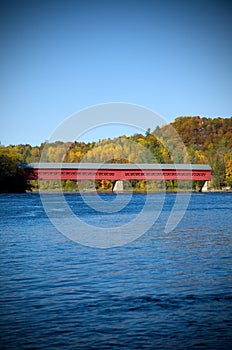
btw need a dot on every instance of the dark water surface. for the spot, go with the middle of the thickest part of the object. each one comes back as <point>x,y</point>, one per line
<point>163,291</point>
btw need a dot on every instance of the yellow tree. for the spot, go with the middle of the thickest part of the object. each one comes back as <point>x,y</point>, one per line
<point>228,164</point>
<point>106,184</point>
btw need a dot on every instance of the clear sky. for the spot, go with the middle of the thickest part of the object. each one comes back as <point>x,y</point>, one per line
<point>58,57</point>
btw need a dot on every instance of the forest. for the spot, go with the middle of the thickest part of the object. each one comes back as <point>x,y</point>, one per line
<point>193,140</point>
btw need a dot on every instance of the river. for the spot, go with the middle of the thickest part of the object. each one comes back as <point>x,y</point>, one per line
<point>161,291</point>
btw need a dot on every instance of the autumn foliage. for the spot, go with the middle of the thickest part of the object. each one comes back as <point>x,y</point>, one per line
<point>185,140</point>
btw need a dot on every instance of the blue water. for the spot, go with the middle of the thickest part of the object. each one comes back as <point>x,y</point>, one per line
<point>162,291</point>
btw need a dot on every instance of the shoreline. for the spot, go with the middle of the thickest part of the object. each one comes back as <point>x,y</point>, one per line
<point>127,192</point>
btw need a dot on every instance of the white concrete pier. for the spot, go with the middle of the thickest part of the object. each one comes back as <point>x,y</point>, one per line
<point>118,186</point>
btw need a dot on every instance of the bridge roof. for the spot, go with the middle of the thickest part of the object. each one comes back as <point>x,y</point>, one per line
<point>118,166</point>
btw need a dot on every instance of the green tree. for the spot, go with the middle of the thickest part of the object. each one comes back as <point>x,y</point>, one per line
<point>219,173</point>
<point>12,178</point>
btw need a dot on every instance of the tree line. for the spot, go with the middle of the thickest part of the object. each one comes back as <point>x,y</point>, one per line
<point>186,140</point>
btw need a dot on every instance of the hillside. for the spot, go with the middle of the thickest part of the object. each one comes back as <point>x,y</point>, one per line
<point>207,141</point>
<point>186,139</point>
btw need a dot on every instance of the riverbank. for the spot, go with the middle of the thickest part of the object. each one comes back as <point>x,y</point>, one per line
<point>91,191</point>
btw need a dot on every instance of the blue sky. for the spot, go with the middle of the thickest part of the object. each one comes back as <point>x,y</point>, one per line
<point>58,57</point>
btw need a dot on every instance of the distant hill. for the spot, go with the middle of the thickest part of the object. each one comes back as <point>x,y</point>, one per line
<point>185,140</point>
<point>204,132</point>
<point>207,141</point>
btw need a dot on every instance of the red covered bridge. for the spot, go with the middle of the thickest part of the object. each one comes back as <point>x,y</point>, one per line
<point>114,172</point>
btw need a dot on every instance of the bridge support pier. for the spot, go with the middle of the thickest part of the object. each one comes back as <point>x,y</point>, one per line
<point>204,187</point>
<point>118,186</point>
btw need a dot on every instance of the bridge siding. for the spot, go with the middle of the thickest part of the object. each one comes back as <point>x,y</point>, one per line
<point>128,172</point>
